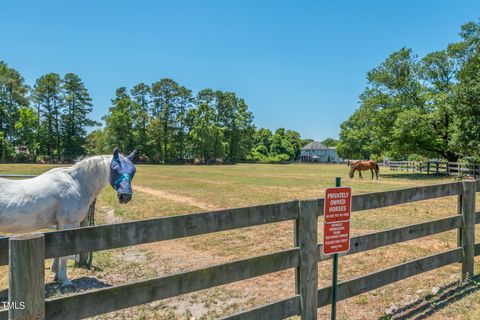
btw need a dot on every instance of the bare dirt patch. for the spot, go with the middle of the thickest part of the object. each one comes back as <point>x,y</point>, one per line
<point>177,198</point>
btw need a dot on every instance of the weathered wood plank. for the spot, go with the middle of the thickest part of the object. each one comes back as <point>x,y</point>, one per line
<point>382,199</point>
<point>477,249</point>
<point>468,228</point>
<point>120,297</point>
<point>389,198</point>
<point>351,288</point>
<point>26,283</point>
<point>4,315</point>
<point>277,310</point>
<point>103,237</point>
<point>383,238</point>
<point>3,251</point>
<point>308,268</point>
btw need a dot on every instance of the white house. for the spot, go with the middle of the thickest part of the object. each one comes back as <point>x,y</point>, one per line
<point>317,152</point>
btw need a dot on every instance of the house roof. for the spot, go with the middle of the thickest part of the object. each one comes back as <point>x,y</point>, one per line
<point>315,145</point>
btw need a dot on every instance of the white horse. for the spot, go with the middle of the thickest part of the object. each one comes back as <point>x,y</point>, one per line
<point>61,197</point>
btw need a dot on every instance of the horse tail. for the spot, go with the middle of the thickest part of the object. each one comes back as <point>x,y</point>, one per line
<point>376,167</point>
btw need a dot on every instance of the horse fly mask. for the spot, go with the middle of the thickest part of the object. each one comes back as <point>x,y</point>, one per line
<point>122,171</point>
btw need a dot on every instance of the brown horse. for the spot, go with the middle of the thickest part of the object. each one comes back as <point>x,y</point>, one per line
<point>363,165</point>
<point>350,162</point>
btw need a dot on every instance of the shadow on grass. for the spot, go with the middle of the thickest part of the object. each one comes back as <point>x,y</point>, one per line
<point>430,304</point>
<point>412,176</point>
<point>53,289</point>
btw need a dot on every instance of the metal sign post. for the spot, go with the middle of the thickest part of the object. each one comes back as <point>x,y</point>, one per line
<point>336,231</point>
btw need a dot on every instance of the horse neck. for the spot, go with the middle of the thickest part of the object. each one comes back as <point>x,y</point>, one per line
<point>352,169</point>
<point>93,177</point>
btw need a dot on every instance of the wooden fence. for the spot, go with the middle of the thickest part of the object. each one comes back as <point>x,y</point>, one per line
<point>26,254</point>
<point>437,167</point>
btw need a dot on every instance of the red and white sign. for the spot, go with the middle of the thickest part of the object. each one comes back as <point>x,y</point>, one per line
<point>336,237</point>
<point>336,227</point>
<point>338,202</point>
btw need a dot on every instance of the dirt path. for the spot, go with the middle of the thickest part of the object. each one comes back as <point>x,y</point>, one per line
<point>177,198</point>
<point>176,178</point>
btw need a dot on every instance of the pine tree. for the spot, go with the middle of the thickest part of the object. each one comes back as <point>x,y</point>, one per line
<point>119,122</point>
<point>47,95</point>
<point>77,105</point>
<point>165,96</point>
<point>141,118</point>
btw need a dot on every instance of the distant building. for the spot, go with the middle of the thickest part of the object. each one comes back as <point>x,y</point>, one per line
<point>317,152</point>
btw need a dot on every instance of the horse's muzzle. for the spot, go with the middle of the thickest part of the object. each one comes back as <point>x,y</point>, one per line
<point>124,197</point>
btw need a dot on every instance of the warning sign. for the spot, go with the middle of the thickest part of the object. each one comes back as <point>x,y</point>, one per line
<point>336,229</point>
<point>338,202</point>
<point>336,237</point>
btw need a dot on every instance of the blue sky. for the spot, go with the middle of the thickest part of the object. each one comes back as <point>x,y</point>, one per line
<point>298,64</point>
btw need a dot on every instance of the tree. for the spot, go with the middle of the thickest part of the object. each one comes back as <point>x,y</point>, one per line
<point>405,109</point>
<point>295,140</point>
<point>206,138</point>
<point>467,106</point>
<point>281,146</point>
<point>185,101</point>
<point>261,145</point>
<point>141,118</point>
<point>234,117</point>
<point>95,143</point>
<point>46,95</point>
<point>26,133</point>
<point>119,122</point>
<point>77,105</point>
<point>330,142</point>
<point>165,94</point>
<point>13,97</point>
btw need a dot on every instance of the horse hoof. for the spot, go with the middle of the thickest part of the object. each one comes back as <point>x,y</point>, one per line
<point>66,284</point>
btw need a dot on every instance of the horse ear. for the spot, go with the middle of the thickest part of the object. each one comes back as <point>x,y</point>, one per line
<point>115,153</point>
<point>132,155</point>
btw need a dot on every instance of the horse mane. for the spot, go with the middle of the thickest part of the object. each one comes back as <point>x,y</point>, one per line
<point>94,165</point>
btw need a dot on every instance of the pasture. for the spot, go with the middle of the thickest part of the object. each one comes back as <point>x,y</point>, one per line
<point>171,190</point>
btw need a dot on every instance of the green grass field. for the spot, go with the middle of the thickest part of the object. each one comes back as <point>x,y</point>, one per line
<point>169,190</point>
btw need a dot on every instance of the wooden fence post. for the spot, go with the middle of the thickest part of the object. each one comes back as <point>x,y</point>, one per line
<point>468,228</point>
<point>26,291</point>
<point>459,211</point>
<point>308,270</point>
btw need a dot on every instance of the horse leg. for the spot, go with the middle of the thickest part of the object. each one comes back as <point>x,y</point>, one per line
<point>62,266</point>
<point>54,268</point>
<point>54,265</point>
<point>360,174</point>
<point>371,170</point>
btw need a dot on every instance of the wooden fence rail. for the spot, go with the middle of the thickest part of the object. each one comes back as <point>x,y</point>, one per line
<point>305,255</point>
<point>437,167</point>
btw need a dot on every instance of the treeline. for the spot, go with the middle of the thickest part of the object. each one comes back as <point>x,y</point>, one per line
<point>167,123</point>
<point>164,121</point>
<point>46,122</point>
<point>414,108</point>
